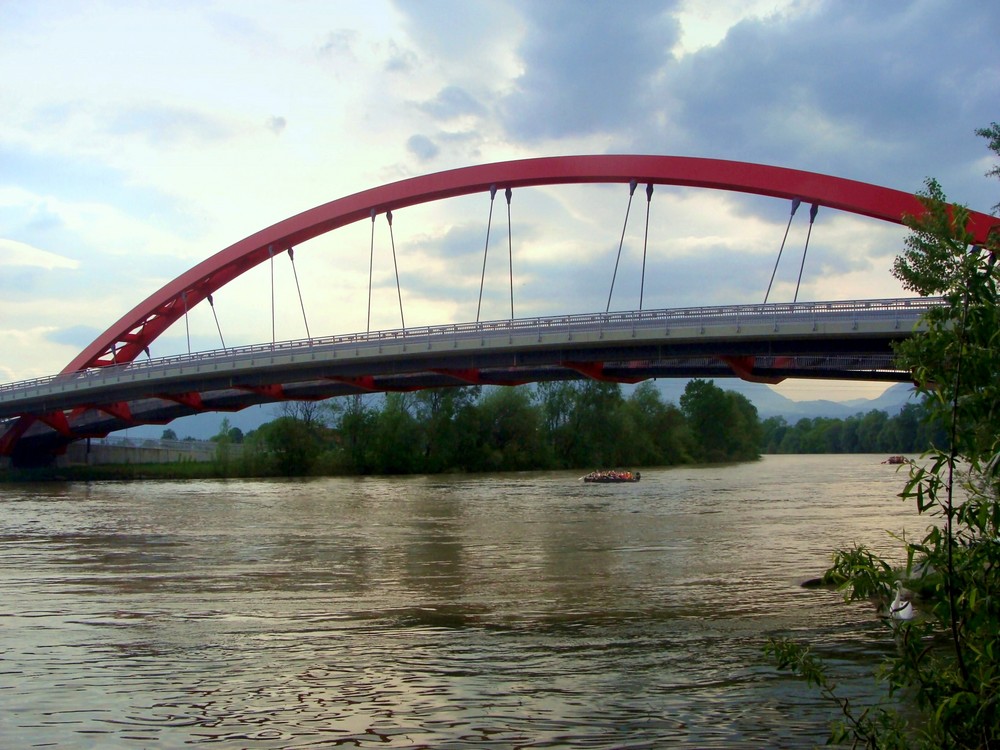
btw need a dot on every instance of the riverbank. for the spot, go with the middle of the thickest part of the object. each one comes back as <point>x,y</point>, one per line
<point>118,472</point>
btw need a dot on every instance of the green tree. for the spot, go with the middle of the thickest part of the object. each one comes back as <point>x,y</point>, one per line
<point>871,438</point>
<point>222,443</point>
<point>724,425</point>
<point>599,425</point>
<point>659,434</point>
<point>557,399</point>
<point>584,422</point>
<point>875,432</point>
<point>773,431</point>
<point>704,406</point>
<point>849,441</point>
<point>743,439</point>
<point>440,413</point>
<point>947,662</point>
<point>906,432</point>
<point>396,438</point>
<point>292,445</point>
<point>832,434</point>
<point>510,435</point>
<point>353,422</point>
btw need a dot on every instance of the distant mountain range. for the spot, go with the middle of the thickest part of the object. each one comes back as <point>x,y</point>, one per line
<point>769,403</point>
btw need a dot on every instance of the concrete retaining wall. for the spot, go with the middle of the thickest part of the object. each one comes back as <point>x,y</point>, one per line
<point>125,451</point>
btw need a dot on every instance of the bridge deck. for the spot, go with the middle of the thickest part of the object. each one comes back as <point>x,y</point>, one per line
<point>845,339</point>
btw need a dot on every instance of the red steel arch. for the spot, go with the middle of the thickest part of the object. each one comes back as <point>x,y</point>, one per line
<point>134,332</point>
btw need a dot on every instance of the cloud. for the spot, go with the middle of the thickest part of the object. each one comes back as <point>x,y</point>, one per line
<point>137,170</point>
<point>452,102</point>
<point>40,177</point>
<point>422,147</point>
<point>588,67</point>
<point>340,43</point>
<point>167,126</point>
<point>400,60</point>
<point>13,253</point>
<point>276,124</point>
<point>41,357</point>
<point>466,37</point>
<point>75,336</point>
<point>768,92</point>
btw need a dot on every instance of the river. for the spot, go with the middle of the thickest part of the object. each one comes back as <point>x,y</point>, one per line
<point>506,611</point>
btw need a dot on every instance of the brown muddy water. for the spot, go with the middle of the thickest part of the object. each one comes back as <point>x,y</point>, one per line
<point>506,611</point>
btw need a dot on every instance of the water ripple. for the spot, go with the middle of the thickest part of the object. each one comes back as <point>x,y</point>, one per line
<point>522,611</point>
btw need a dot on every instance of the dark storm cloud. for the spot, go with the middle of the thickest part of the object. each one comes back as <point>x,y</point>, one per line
<point>588,67</point>
<point>878,92</point>
<point>888,93</point>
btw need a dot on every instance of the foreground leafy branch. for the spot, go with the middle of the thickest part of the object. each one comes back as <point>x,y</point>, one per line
<point>943,678</point>
<point>871,727</point>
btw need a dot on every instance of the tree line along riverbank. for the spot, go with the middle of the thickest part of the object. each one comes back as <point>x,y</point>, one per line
<point>549,426</point>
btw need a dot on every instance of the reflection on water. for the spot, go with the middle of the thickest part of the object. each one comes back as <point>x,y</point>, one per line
<point>525,610</point>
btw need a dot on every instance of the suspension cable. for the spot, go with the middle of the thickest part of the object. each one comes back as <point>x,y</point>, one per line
<point>211,303</point>
<point>270,255</point>
<point>510,253</point>
<point>399,291</point>
<point>371,261</point>
<point>795,207</point>
<point>489,223</point>
<point>302,304</point>
<point>631,191</point>
<point>187,326</point>
<point>645,239</point>
<point>812,218</point>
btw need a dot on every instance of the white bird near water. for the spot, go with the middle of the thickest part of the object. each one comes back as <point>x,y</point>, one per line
<point>901,608</point>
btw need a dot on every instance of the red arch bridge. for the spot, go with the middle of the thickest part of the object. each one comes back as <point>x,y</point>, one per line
<point>106,388</point>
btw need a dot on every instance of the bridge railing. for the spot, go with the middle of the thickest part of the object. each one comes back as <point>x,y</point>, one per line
<point>779,313</point>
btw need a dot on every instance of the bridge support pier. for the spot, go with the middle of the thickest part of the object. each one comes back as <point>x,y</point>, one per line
<point>24,459</point>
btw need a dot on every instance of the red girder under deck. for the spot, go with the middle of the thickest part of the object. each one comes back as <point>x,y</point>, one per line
<point>595,371</point>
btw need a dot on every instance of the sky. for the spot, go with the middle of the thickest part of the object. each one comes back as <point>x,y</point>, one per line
<point>139,138</point>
